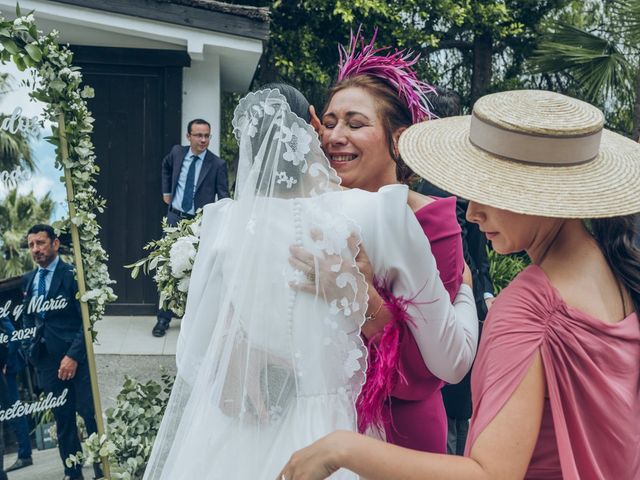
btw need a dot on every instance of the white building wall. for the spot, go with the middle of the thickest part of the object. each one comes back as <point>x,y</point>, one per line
<point>201,96</point>
<point>217,59</point>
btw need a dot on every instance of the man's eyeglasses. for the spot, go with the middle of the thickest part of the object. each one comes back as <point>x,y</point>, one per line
<point>204,136</point>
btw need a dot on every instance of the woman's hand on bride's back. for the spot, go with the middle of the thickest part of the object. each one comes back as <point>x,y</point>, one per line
<point>321,274</point>
<point>318,274</point>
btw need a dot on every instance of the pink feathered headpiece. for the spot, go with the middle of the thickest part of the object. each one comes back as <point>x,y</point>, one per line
<point>394,68</point>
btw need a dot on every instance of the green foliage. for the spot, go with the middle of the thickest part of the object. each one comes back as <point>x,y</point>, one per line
<point>132,426</point>
<point>504,268</point>
<point>303,45</point>
<point>228,145</point>
<point>18,213</point>
<point>626,18</point>
<point>302,48</point>
<point>593,53</point>
<point>15,150</point>
<point>596,64</point>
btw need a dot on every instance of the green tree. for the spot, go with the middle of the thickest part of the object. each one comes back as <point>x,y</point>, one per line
<point>470,46</point>
<point>18,213</point>
<point>15,150</point>
<point>595,57</point>
<point>481,46</point>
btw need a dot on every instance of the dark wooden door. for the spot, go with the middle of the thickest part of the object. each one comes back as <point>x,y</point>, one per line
<point>137,120</point>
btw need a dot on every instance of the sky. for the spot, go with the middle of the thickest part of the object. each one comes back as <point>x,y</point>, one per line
<point>46,178</point>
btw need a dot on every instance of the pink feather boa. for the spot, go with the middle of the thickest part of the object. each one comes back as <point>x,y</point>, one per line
<point>384,356</point>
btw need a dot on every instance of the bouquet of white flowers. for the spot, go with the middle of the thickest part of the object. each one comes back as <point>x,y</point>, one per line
<point>172,259</point>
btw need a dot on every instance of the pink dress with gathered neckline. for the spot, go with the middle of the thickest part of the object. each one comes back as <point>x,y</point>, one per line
<point>591,419</point>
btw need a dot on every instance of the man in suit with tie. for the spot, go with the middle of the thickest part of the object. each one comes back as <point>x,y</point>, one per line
<point>57,349</point>
<point>192,176</point>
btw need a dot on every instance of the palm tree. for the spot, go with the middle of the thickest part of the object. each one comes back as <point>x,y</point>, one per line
<point>601,65</point>
<point>15,150</point>
<point>18,213</point>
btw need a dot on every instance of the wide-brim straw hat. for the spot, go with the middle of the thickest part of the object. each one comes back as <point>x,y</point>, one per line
<point>532,152</point>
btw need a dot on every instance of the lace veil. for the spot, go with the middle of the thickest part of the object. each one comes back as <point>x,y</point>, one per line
<point>261,365</point>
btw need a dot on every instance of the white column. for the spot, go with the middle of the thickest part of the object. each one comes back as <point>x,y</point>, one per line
<point>201,96</point>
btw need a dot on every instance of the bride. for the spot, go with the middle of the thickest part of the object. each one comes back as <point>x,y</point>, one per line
<point>269,355</point>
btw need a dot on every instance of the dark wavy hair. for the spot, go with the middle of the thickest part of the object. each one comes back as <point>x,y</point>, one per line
<point>298,103</point>
<point>619,240</point>
<point>444,103</point>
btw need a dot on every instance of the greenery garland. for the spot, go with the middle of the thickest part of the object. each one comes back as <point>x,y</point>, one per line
<point>56,83</point>
<point>133,423</point>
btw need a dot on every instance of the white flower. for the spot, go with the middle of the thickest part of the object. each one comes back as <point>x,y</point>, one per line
<point>247,123</point>
<point>268,109</point>
<point>351,364</point>
<point>296,277</point>
<point>183,284</point>
<point>283,177</point>
<point>297,141</point>
<point>181,256</point>
<point>344,306</point>
<point>335,234</point>
<point>195,227</point>
<point>90,295</point>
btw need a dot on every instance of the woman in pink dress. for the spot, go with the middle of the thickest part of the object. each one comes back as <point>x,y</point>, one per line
<point>556,385</point>
<point>376,97</point>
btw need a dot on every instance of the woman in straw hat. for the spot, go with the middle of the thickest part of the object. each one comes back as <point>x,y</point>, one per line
<point>556,385</point>
<point>411,355</point>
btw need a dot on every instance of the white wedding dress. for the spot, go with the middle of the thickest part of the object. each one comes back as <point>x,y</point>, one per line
<point>265,369</point>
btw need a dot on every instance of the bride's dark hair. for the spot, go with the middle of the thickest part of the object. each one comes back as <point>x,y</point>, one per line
<point>298,103</point>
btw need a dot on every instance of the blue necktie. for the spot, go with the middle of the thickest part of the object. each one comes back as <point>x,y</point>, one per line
<point>42,286</point>
<point>187,197</point>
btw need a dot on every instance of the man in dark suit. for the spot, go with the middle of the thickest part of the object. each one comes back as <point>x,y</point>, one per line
<point>57,350</point>
<point>192,176</point>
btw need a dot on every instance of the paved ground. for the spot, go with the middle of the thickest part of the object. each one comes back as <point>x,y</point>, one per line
<point>132,336</point>
<point>126,348</point>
